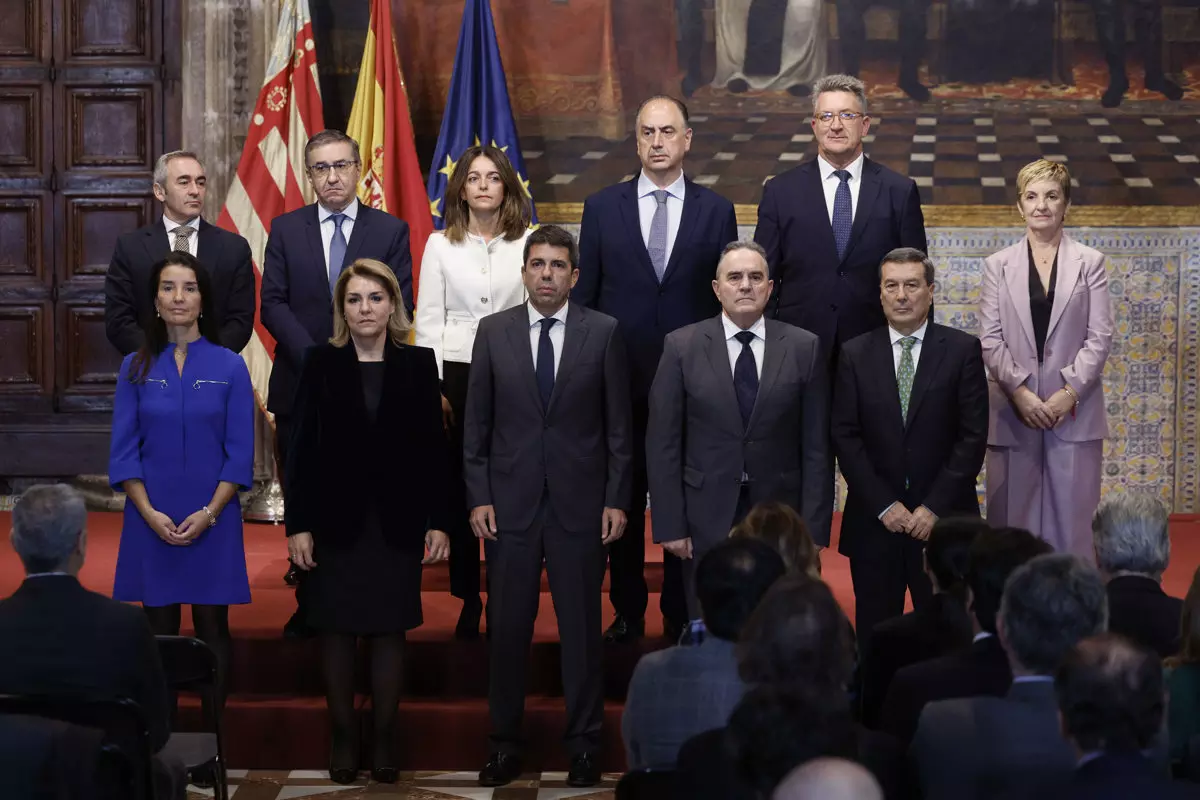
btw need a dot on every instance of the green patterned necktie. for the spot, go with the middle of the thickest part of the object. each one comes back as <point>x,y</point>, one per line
<point>904,375</point>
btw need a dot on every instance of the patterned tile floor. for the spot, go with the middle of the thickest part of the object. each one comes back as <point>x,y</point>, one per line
<point>283,785</point>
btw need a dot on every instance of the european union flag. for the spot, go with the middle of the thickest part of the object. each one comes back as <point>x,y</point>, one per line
<point>477,109</point>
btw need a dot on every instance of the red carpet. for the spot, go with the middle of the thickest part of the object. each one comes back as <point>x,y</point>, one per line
<point>276,714</point>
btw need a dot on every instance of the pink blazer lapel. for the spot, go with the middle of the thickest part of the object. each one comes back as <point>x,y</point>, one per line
<point>1070,264</point>
<point>1016,275</point>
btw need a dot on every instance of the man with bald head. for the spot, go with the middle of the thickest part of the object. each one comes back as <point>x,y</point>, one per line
<point>648,248</point>
<point>829,779</point>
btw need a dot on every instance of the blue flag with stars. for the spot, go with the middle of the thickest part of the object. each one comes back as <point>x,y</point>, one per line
<point>477,109</point>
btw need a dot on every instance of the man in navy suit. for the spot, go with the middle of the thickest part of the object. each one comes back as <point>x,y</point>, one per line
<point>306,251</point>
<point>648,250</point>
<point>827,224</point>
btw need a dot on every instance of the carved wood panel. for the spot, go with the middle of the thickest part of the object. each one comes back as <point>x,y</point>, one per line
<point>108,30</point>
<point>22,34</point>
<point>107,127</point>
<point>22,229</point>
<point>88,364</point>
<point>24,367</point>
<point>93,225</point>
<point>24,135</point>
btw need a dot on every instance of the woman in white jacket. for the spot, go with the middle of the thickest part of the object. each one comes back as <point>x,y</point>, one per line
<point>470,270</point>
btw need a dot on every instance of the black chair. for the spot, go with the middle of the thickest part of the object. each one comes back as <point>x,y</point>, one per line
<point>124,768</point>
<point>191,666</point>
<point>646,784</point>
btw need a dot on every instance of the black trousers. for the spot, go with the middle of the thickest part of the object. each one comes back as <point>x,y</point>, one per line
<point>700,548</point>
<point>627,556</point>
<point>1147,30</point>
<point>464,547</point>
<point>575,569</point>
<point>852,34</point>
<point>879,585</point>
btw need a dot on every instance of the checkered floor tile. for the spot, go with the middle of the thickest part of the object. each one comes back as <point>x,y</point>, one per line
<point>283,785</point>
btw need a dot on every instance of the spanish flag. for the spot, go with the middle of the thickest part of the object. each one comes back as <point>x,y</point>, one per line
<point>380,123</point>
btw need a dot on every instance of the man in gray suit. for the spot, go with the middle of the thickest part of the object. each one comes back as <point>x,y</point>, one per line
<point>739,415</point>
<point>546,456</point>
<point>1012,747</point>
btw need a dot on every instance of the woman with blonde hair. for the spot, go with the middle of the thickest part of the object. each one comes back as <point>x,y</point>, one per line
<point>780,526</point>
<point>366,486</point>
<point>1047,328</point>
<point>470,270</point>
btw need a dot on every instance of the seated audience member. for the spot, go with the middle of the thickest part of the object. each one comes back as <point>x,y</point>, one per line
<point>780,526</point>
<point>681,691</point>
<point>942,626</point>
<point>1133,547</point>
<point>1183,687</point>
<point>829,779</point>
<point>1002,747</point>
<point>982,668</point>
<point>795,655</point>
<point>61,639</point>
<point>1110,701</point>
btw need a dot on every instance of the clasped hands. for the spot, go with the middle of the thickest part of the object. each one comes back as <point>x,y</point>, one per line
<point>916,524</point>
<point>483,523</point>
<point>178,535</point>
<point>300,549</point>
<point>1042,414</point>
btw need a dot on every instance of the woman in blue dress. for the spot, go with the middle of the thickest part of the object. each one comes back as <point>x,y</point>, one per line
<point>182,445</point>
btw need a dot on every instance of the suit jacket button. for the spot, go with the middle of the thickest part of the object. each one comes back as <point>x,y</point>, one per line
<point>842,272</point>
<point>483,300</point>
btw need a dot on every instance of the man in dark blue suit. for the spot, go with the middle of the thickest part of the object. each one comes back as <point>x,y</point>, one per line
<point>306,251</point>
<point>648,251</point>
<point>827,224</point>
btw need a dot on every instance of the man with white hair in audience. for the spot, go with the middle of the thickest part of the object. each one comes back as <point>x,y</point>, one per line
<point>1133,547</point>
<point>829,779</point>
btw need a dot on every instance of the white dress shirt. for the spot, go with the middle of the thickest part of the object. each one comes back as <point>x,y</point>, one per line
<point>758,345</point>
<point>557,332</point>
<point>647,205</point>
<point>460,285</point>
<point>193,237</point>
<point>328,226</point>
<point>898,349</point>
<point>829,183</point>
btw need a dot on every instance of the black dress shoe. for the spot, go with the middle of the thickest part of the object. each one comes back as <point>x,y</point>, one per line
<point>292,576</point>
<point>624,630</point>
<point>500,769</point>
<point>737,86</point>
<point>915,89</point>
<point>203,776</point>
<point>672,631</point>
<point>584,770</point>
<point>385,774</point>
<point>1165,86</point>
<point>799,90</point>
<point>1115,92</point>
<point>297,628</point>
<point>343,776</point>
<point>468,619</point>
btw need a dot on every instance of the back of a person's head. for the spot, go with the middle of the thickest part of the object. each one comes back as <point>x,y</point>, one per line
<point>1110,694</point>
<point>992,557</point>
<point>774,729</point>
<point>780,526</point>
<point>829,778</point>
<point>947,549</point>
<point>1189,633</point>
<point>48,522</point>
<point>798,635</point>
<point>1130,534</point>
<point>731,579</point>
<point>1049,605</point>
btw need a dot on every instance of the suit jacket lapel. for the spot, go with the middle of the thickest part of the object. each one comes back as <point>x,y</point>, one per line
<point>361,231</point>
<point>313,234</point>
<point>207,238</point>
<point>158,244</point>
<point>518,340</point>
<point>932,350</point>
<point>775,351</point>
<point>885,368</point>
<point>633,226</point>
<point>393,396</point>
<point>718,359</point>
<point>1070,264</point>
<point>818,211</point>
<point>868,191</point>
<point>1016,275</point>
<point>687,221</point>
<point>574,338</point>
<point>350,378</point>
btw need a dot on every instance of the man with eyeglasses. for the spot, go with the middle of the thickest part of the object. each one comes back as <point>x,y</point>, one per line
<point>827,224</point>
<point>306,251</point>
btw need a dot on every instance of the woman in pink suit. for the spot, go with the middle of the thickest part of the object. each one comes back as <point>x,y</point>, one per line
<point>1047,327</point>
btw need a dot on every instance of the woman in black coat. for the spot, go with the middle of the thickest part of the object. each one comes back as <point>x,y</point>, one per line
<point>366,486</point>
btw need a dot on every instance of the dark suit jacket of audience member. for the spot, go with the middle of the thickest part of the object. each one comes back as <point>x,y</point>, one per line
<point>59,638</point>
<point>128,300</point>
<point>981,669</point>
<point>674,694</point>
<point>938,629</point>
<point>340,465</point>
<point>837,299</point>
<point>992,747</point>
<point>616,276</point>
<point>1139,609</point>
<point>297,306</point>
<point>1121,776</point>
<point>46,759</point>
<point>705,770</point>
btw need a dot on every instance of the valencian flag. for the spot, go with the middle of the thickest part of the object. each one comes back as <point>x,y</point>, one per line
<point>270,175</point>
<point>477,108</point>
<point>381,124</point>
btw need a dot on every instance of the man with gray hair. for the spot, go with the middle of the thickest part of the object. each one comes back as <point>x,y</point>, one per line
<point>58,638</point>
<point>828,778</point>
<point>992,747</point>
<point>180,185</point>
<point>1132,542</point>
<point>739,415</point>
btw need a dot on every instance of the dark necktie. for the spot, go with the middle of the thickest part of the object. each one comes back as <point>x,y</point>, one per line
<point>337,250</point>
<point>545,362</point>
<point>657,245</point>
<point>745,376</point>
<point>843,213</point>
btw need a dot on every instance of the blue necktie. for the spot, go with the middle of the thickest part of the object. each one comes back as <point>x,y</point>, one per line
<point>745,376</point>
<point>843,213</point>
<point>657,246</point>
<point>337,250</point>
<point>545,362</point>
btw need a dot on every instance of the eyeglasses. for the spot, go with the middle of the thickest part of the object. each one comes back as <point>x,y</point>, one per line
<point>322,169</point>
<point>845,116</point>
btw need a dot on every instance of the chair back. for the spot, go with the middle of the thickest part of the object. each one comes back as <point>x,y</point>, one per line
<point>646,784</point>
<point>191,665</point>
